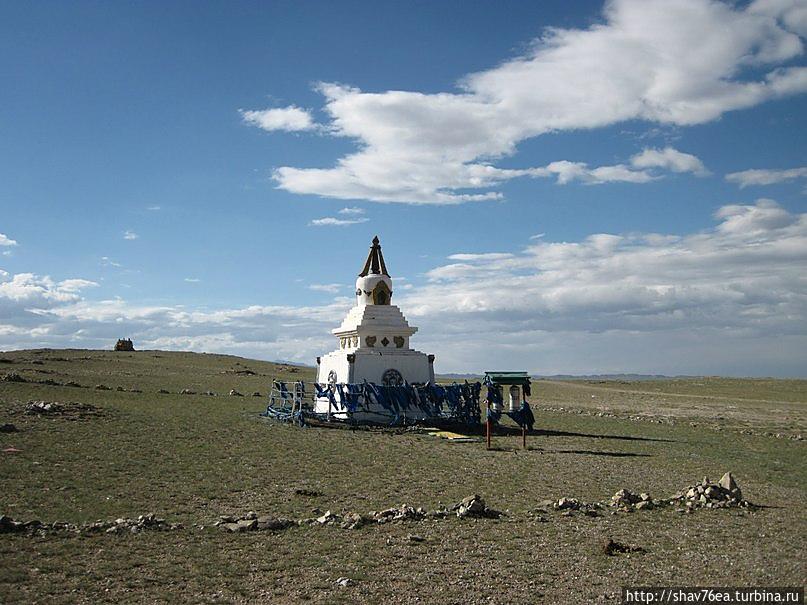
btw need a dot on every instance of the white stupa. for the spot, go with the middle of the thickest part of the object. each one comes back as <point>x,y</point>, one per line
<point>374,337</point>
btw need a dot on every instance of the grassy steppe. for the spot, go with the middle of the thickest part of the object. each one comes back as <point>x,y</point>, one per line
<point>191,458</point>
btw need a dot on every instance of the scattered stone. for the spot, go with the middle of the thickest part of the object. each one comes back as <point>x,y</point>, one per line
<point>273,523</point>
<point>120,389</point>
<point>12,377</point>
<point>70,411</point>
<point>209,393</point>
<point>567,504</point>
<point>724,494</point>
<point>353,521</point>
<point>102,387</point>
<point>187,392</point>
<point>474,506</point>
<point>727,482</point>
<point>343,582</point>
<point>163,392</point>
<point>234,393</point>
<point>415,538</point>
<point>8,428</point>
<point>72,383</point>
<point>43,408</point>
<point>625,499</point>
<point>257,394</point>
<point>612,548</point>
<point>252,521</point>
<point>142,523</point>
<point>328,518</point>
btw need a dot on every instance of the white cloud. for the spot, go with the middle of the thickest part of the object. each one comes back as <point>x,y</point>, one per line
<point>352,210</point>
<point>108,262</point>
<point>330,288</point>
<point>6,241</point>
<point>289,119</point>
<point>637,64</point>
<point>766,177</point>
<point>38,291</point>
<point>578,171</point>
<point>153,208</point>
<point>192,280</point>
<point>480,257</point>
<point>669,159</point>
<point>130,235</point>
<point>793,13</point>
<point>330,221</point>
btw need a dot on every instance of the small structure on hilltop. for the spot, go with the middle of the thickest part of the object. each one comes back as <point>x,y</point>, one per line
<point>124,344</point>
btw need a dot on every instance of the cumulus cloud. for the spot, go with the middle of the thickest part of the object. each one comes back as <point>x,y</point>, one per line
<point>6,241</point>
<point>351,210</point>
<point>744,273</point>
<point>27,291</point>
<point>669,159</point>
<point>671,62</point>
<point>192,280</point>
<point>330,221</point>
<point>130,235</point>
<point>289,119</point>
<point>766,177</point>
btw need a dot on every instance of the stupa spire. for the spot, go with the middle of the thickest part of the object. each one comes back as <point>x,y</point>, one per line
<point>374,265</point>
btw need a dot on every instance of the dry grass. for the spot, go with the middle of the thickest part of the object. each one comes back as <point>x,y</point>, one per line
<point>191,458</point>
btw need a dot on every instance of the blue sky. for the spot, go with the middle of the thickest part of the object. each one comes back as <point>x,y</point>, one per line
<point>563,187</point>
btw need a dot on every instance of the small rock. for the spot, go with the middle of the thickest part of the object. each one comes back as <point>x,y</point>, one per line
<point>8,428</point>
<point>234,393</point>
<point>247,524</point>
<point>256,394</point>
<point>352,521</point>
<point>187,392</point>
<point>328,517</point>
<point>414,538</point>
<point>343,582</point>
<point>727,482</point>
<point>273,523</point>
<point>567,504</point>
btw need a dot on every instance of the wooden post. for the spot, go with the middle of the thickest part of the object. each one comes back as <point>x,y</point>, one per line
<point>488,427</point>
<point>524,437</point>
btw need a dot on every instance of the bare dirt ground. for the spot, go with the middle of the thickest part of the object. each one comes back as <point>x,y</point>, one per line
<point>192,458</point>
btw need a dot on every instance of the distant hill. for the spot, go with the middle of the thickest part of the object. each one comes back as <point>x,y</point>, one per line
<point>455,376</point>
<point>608,377</point>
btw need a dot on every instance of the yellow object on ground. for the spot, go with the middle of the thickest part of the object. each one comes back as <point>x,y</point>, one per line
<point>453,436</point>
